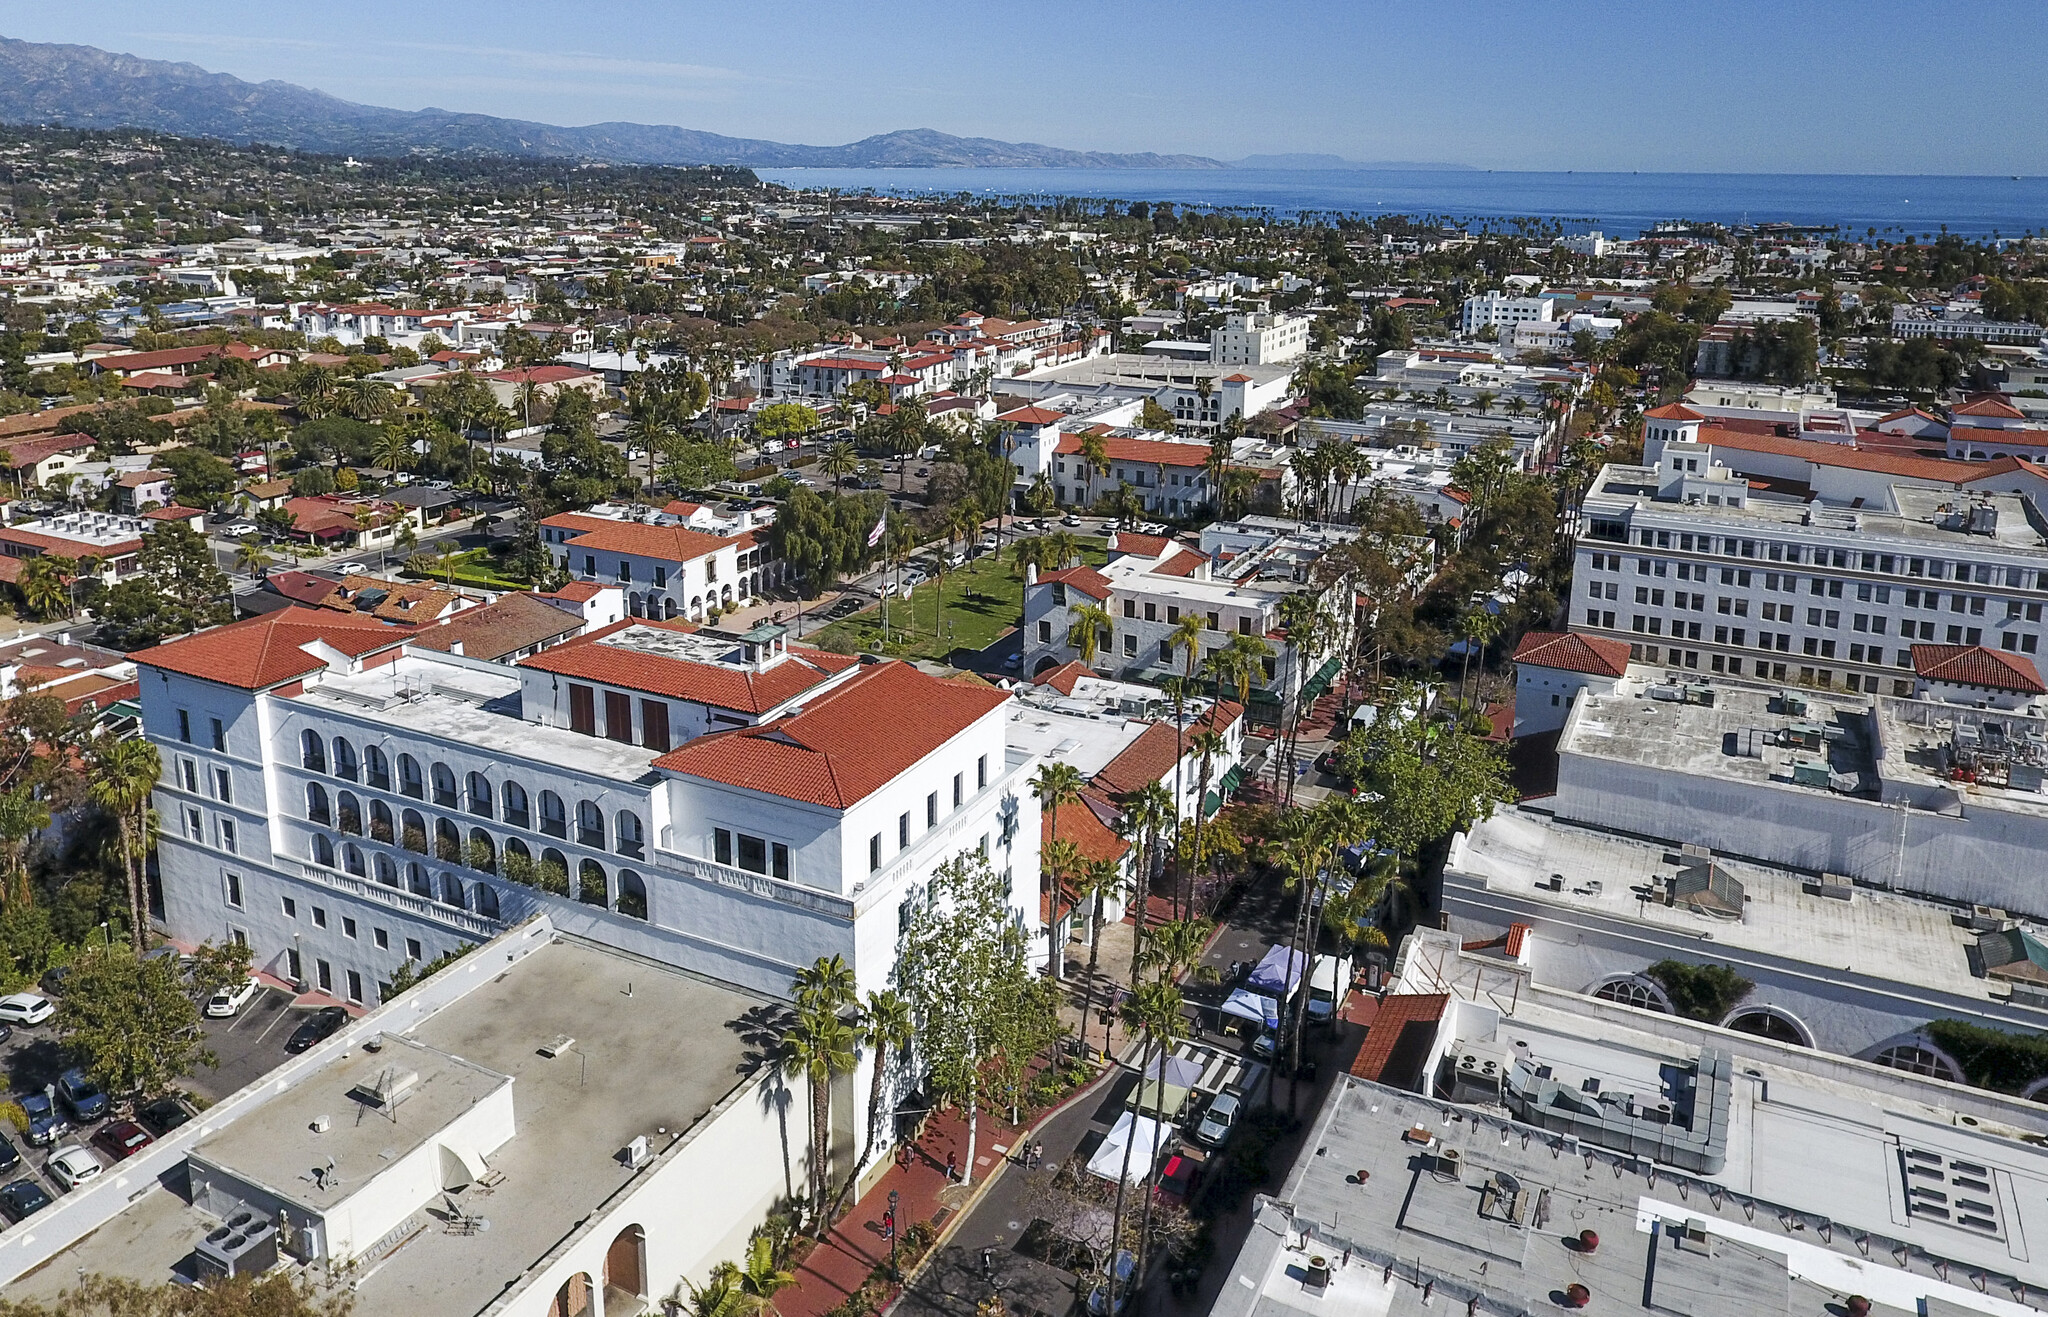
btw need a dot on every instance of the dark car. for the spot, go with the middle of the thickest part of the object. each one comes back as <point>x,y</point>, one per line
<point>53,978</point>
<point>163,1115</point>
<point>122,1139</point>
<point>86,1100</point>
<point>22,1199</point>
<point>46,1124</point>
<point>322,1024</point>
<point>10,1156</point>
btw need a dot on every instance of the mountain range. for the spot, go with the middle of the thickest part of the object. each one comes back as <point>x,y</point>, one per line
<point>85,87</point>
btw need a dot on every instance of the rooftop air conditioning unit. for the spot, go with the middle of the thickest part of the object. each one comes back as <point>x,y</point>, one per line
<point>244,1245</point>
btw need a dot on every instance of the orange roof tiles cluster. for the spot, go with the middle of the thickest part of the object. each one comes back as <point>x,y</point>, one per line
<point>847,744</point>
<point>1568,651</point>
<point>1974,665</point>
<point>1157,452</point>
<point>1085,579</point>
<point>739,689</point>
<point>270,650</point>
<point>666,543</point>
<point>1400,1039</point>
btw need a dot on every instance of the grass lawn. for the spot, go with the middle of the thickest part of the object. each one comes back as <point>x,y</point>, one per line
<point>983,599</point>
<point>472,567</point>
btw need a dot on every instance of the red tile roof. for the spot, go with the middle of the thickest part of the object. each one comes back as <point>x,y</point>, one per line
<point>2026,436</point>
<point>514,622</point>
<point>270,650</point>
<point>738,689</point>
<point>665,543</point>
<point>1078,824</point>
<point>1063,677</point>
<point>1568,651</point>
<point>1149,546</point>
<point>65,547</point>
<point>1673,411</point>
<point>1974,665</point>
<point>1150,758</point>
<point>542,375</point>
<point>1155,452</point>
<point>1085,579</point>
<point>1400,1039</point>
<point>1989,405</point>
<point>1936,469</point>
<point>847,744</point>
<point>1033,416</point>
<point>1185,563</point>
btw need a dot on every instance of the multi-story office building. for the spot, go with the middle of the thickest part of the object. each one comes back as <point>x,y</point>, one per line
<point>345,802</point>
<point>1497,309</point>
<point>1828,580</point>
<point>1258,338</point>
<point>667,563</point>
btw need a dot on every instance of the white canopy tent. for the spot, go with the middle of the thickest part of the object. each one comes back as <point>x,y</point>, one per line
<point>1141,1133</point>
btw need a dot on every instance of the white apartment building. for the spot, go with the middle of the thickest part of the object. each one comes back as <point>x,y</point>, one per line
<point>1828,581</point>
<point>1498,310</point>
<point>1258,338</point>
<point>1964,321</point>
<point>665,566</point>
<point>1234,579</point>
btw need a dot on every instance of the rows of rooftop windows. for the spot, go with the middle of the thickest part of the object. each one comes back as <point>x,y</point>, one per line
<point>624,831</point>
<point>1821,556</point>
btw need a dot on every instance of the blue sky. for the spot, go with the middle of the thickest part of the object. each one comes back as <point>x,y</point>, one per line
<point>1738,85</point>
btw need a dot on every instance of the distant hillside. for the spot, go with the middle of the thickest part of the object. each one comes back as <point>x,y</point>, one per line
<point>1300,160</point>
<point>85,87</point>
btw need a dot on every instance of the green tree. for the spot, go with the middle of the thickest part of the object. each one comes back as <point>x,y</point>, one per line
<point>1056,784</point>
<point>783,421</point>
<point>130,1020</point>
<point>198,478</point>
<point>838,461</point>
<point>217,965</point>
<point>885,1027</point>
<point>23,815</point>
<point>818,1046</point>
<point>1153,1010</point>
<point>1088,626</point>
<point>123,773</point>
<point>177,588</point>
<point>45,586</point>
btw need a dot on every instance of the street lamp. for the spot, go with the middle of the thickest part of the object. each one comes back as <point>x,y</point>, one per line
<point>889,1228</point>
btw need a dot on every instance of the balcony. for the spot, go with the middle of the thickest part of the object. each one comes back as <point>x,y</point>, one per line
<point>398,899</point>
<point>754,884</point>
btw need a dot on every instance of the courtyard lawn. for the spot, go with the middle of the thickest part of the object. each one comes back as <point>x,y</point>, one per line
<point>473,567</point>
<point>984,598</point>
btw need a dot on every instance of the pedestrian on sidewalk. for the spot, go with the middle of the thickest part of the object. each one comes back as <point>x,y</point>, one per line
<point>952,1168</point>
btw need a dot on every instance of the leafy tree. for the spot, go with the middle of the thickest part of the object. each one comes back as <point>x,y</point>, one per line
<point>783,421</point>
<point>198,478</point>
<point>123,775</point>
<point>1155,417</point>
<point>46,585</point>
<point>178,588</point>
<point>1700,992</point>
<point>219,965</point>
<point>22,816</point>
<point>962,970</point>
<point>277,1294</point>
<point>131,1020</point>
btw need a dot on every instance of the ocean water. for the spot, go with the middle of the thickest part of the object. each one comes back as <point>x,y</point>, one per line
<point>1620,205</point>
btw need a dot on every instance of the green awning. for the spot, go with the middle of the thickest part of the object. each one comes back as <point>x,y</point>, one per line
<point>1320,682</point>
<point>1211,803</point>
<point>1234,779</point>
<point>1265,697</point>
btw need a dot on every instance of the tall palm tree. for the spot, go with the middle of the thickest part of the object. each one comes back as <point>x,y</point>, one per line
<point>1186,637</point>
<point>886,1028</point>
<point>838,461</point>
<point>1088,624</point>
<point>819,1047</point>
<point>1055,785</point>
<point>1154,1011</point>
<point>1147,811</point>
<point>46,586</point>
<point>1099,880</point>
<point>367,400</point>
<point>22,816</point>
<point>826,983</point>
<point>1208,746</point>
<point>1176,945</point>
<point>1095,459</point>
<point>393,450</point>
<point>123,776</point>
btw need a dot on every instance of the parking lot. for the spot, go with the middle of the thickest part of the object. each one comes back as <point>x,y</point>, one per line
<point>247,1046</point>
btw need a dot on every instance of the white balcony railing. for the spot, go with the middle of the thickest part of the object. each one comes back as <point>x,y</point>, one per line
<point>399,899</point>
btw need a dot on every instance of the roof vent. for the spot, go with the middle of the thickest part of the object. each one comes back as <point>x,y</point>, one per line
<point>391,1087</point>
<point>557,1045</point>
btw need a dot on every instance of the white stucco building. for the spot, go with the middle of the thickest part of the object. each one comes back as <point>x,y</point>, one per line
<point>1259,338</point>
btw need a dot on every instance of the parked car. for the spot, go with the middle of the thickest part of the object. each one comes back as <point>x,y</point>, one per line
<point>26,1008</point>
<point>52,982</point>
<point>319,1026</point>
<point>6,1032</point>
<point>1070,520</point>
<point>236,530</point>
<point>1098,1298</point>
<point>86,1100</point>
<point>922,472</point>
<point>163,1115</point>
<point>46,1124</point>
<point>122,1139</point>
<point>352,569</point>
<point>10,1156</point>
<point>22,1199</point>
<point>226,1002</point>
<point>1216,1122</point>
<point>1263,1046</point>
<point>74,1166</point>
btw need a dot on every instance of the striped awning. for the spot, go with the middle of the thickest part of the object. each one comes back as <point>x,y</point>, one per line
<point>1320,681</point>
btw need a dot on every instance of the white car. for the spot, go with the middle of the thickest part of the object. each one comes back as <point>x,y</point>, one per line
<point>239,529</point>
<point>231,999</point>
<point>73,1166</point>
<point>26,1008</point>
<point>1216,1123</point>
<point>351,569</point>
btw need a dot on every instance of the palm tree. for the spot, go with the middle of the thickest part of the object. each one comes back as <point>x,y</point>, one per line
<point>760,1279</point>
<point>819,1046</point>
<point>250,558</point>
<point>827,984</point>
<point>1176,945</point>
<point>1062,549</point>
<point>1087,626</point>
<point>1484,400</point>
<point>1099,880</point>
<point>393,450</point>
<point>22,816</point>
<point>1186,636</point>
<point>886,1028</point>
<point>367,400</point>
<point>46,586</point>
<point>838,461</point>
<point>1209,745</point>
<point>1146,813</point>
<point>123,777</point>
<point>1153,1010</point>
<point>1095,458</point>
<point>723,1294</point>
<point>1055,784</point>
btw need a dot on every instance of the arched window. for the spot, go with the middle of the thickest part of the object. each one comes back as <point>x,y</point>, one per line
<point>632,898</point>
<point>516,812</point>
<point>554,820</point>
<point>344,759</point>
<point>1633,990</point>
<point>416,879</point>
<point>376,768</point>
<point>444,785</point>
<point>380,822</point>
<point>479,795</point>
<point>313,752</point>
<point>323,851</point>
<point>352,858</point>
<point>1919,1060</point>
<point>348,812</point>
<point>447,842</point>
<point>316,803</point>
<point>514,846</point>
<point>632,840</point>
<point>486,900</point>
<point>553,873</point>
<point>590,888</point>
<point>589,824</point>
<point>409,780</point>
<point>483,854</point>
<point>451,892</point>
<point>387,872</point>
<point>413,836</point>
